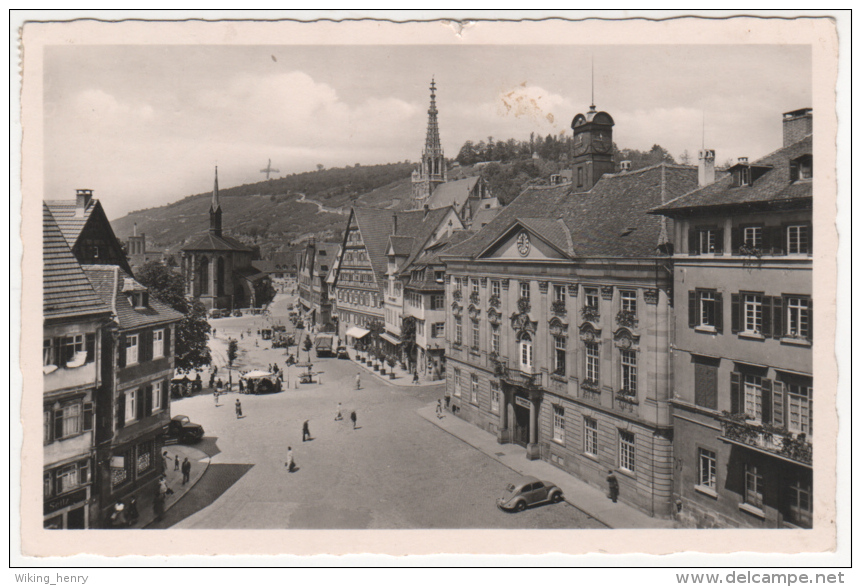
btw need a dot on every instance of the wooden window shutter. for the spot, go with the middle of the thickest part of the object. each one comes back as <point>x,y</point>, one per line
<point>766,316</point>
<point>719,312</point>
<point>719,241</point>
<point>735,392</point>
<point>693,242</point>
<point>810,239</point>
<point>793,171</point>
<point>692,308</point>
<point>59,359</point>
<point>735,311</point>
<point>167,330</point>
<point>766,400</point>
<point>58,424</point>
<point>121,351</point>
<point>165,395</point>
<point>810,319</point>
<point>91,347</point>
<point>777,240</point>
<point>88,416</point>
<point>777,402</point>
<point>121,410</point>
<point>145,342</point>
<point>777,317</point>
<point>736,239</point>
<point>140,402</point>
<point>148,401</point>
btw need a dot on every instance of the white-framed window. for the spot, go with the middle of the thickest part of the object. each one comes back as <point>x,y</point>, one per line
<point>753,396</point>
<point>157,344</point>
<point>708,308</point>
<point>559,424</point>
<point>132,399</point>
<point>707,469</point>
<point>131,349</point>
<point>438,329</point>
<point>456,376</point>
<point>524,289</point>
<point>707,240</point>
<point>629,301</point>
<point>494,338</point>
<point>753,485</point>
<point>590,296</point>
<point>72,345</point>
<point>800,494</point>
<point>437,301</point>
<point>560,344</point>
<point>495,397</point>
<point>590,436</point>
<point>473,388</point>
<point>72,416</point>
<point>559,293</point>
<point>458,330</point>
<point>593,359</point>
<point>627,451</point>
<point>797,239</point>
<point>799,399</point>
<point>68,478</point>
<point>48,352</point>
<point>47,421</point>
<point>156,396</point>
<point>525,344</point>
<point>629,371</point>
<point>475,286</point>
<point>798,317</point>
<point>753,236</point>
<point>476,334</point>
<point>457,283</point>
<point>753,313</point>
<point>420,327</point>
<point>495,288</point>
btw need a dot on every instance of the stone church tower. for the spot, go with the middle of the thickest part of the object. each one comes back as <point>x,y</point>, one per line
<point>431,171</point>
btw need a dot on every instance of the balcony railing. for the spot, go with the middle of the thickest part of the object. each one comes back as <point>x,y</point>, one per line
<point>767,438</point>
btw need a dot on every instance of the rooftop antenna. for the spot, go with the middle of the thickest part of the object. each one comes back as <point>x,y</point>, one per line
<point>704,129</point>
<point>592,106</point>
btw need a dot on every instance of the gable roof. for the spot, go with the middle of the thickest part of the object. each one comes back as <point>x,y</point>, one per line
<point>109,282</point>
<point>208,241</point>
<point>772,187</point>
<point>431,257</point>
<point>65,213</point>
<point>610,220</point>
<point>452,193</point>
<point>376,226</point>
<point>400,246</point>
<point>66,291</point>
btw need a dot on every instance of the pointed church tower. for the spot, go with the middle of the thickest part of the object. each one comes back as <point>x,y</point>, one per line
<point>215,209</point>
<point>431,171</point>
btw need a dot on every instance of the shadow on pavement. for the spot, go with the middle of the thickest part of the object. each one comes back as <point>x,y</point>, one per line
<point>209,445</point>
<point>217,479</point>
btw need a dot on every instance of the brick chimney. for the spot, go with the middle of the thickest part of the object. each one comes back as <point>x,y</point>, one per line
<point>625,166</point>
<point>395,223</point>
<point>706,167</point>
<point>797,125</point>
<point>82,200</point>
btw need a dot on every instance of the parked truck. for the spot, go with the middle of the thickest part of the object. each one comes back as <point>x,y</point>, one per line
<point>324,345</point>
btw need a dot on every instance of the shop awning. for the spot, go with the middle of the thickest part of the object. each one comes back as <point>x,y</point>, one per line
<point>357,332</point>
<point>391,338</point>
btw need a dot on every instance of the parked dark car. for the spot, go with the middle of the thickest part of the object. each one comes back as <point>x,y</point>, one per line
<point>528,491</point>
<point>237,313</point>
<point>341,353</point>
<point>184,430</point>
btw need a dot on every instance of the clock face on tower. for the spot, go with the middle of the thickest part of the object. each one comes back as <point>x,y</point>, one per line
<point>580,144</point>
<point>601,142</point>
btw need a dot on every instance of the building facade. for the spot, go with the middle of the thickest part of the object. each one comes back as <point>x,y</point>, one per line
<point>743,378</point>
<point>137,253</point>
<point>432,168</point>
<point>217,268</point>
<point>559,324</point>
<point>74,317</point>
<point>314,266</point>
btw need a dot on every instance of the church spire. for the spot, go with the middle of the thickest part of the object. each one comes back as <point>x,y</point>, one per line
<point>215,209</point>
<point>431,172</point>
<point>432,142</point>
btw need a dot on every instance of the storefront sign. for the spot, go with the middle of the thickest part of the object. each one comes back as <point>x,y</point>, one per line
<point>58,503</point>
<point>523,402</point>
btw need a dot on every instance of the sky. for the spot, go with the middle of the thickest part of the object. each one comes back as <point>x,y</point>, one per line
<point>144,126</point>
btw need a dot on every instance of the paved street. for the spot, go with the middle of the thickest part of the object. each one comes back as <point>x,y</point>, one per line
<point>396,470</point>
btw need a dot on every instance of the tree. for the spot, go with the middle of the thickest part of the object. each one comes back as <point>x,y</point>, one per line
<point>685,158</point>
<point>232,352</point>
<point>167,286</point>
<point>264,292</point>
<point>320,167</point>
<point>408,336</point>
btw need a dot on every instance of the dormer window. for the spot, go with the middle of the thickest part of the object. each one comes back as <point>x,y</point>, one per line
<point>801,168</point>
<point>139,299</point>
<point>744,176</point>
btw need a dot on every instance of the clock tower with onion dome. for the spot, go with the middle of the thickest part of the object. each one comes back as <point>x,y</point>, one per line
<point>593,148</point>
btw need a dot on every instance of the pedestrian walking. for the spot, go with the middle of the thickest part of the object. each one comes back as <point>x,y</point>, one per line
<point>306,432</point>
<point>613,486</point>
<point>338,415</point>
<point>166,460</point>
<point>158,504</point>
<point>416,377</point>
<point>353,418</point>
<point>238,408</point>
<point>133,511</point>
<point>439,408</point>
<point>214,333</point>
<point>290,464</point>
<point>215,394</point>
<point>186,471</point>
<point>358,381</point>
<point>215,370</point>
<point>176,463</point>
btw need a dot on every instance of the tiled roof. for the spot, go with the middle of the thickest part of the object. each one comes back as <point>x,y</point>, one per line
<point>771,187</point>
<point>376,228</point>
<point>483,216</point>
<point>401,246</point>
<point>109,281</point>
<point>452,193</point>
<point>65,213</point>
<point>263,265</point>
<point>331,250</point>
<point>66,290</point>
<point>610,220</point>
<point>208,241</point>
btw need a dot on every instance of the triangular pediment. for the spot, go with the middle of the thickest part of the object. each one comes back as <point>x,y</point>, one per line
<point>531,239</point>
